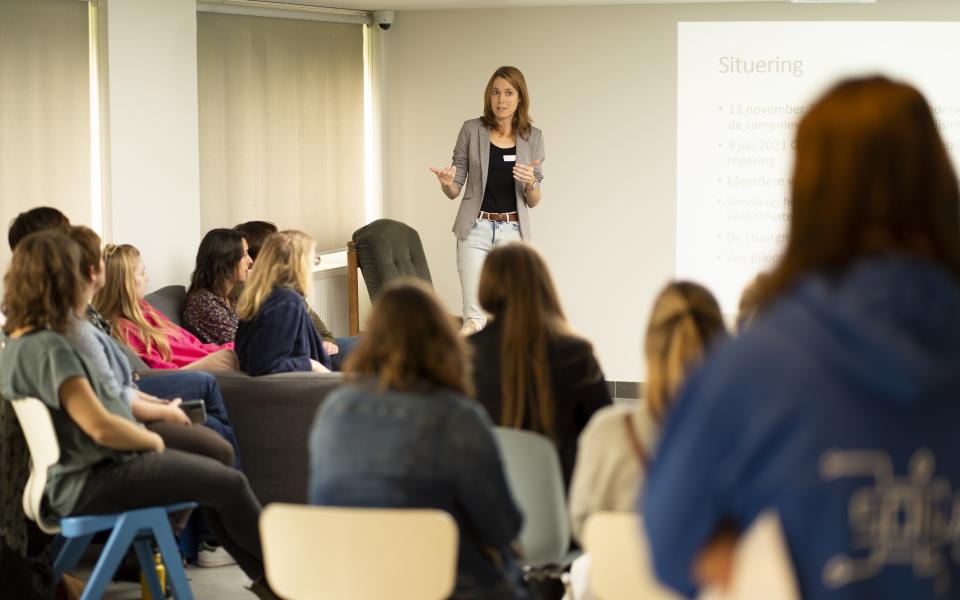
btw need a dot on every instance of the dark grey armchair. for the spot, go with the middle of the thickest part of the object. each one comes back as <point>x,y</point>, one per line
<point>271,415</point>
<point>383,250</point>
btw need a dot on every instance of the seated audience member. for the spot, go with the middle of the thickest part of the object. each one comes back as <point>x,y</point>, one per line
<point>338,348</point>
<point>836,408</point>
<point>530,371</point>
<point>405,434</point>
<point>16,534</point>
<point>108,463</point>
<point>106,356</point>
<point>615,449</point>
<point>161,343</point>
<point>275,334</point>
<point>41,218</point>
<point>222,264</point>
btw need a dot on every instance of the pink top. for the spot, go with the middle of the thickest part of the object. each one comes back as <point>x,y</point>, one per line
<point>185,348</point>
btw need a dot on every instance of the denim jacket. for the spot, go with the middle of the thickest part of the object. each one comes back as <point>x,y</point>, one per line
<point>430,448</point>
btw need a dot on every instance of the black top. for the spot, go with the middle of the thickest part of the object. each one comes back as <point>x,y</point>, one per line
<point>500,196</point>
<point>578,385</point>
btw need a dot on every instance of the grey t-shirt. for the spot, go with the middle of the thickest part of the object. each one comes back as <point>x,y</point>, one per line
<point>36,365</point>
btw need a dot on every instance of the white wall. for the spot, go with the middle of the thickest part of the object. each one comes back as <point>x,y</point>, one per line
<point>603,89</point>
<point>153,181</point>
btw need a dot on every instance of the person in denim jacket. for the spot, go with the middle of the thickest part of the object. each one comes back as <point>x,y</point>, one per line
<point>404,434</point>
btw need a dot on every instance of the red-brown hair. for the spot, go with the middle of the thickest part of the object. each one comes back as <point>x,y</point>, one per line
<point>43,285</point>
<point>871,175</point>
<point>410,341</point>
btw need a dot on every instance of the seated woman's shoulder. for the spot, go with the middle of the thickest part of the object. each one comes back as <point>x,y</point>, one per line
<point>608,419</point>
<point>282,294</point>
<point>571,346</point>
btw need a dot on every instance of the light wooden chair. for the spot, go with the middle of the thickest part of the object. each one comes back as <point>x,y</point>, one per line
<point>334,553</point>
<point>620,561</point>
<point>621,566</point>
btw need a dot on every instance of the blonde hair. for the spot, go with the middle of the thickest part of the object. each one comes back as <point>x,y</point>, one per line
<point>685,320</point>
<point>284,261</point>
<point>119,300</point>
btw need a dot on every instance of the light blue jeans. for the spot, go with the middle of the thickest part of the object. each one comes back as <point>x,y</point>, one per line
<point>471,252</point>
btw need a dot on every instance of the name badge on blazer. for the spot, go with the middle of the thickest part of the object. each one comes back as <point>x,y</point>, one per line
<point>509,158</point>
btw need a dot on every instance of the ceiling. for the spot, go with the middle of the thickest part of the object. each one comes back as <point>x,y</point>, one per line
<point>461,4</point>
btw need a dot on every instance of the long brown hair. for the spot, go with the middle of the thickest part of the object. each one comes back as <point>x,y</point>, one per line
<point>871,175</point>
<point>119,300</point>
<point>515,287</point>
<point>43,285</point>
<point>215,269</point>
<point>284,262</point>
<point>410,340</point>
<point>685,320</point>
<point>521,118</point>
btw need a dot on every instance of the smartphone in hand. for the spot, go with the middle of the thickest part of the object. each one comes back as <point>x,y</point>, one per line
<point>196,410</point>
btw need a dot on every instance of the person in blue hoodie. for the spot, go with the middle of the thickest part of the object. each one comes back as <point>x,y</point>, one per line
<point>838,406</point>
<point>275,334</point>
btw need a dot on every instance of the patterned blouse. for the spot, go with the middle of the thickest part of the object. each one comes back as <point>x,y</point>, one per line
<point>210,317</point>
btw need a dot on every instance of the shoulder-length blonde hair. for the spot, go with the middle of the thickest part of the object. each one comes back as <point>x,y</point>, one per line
<point>119,300</point>
<point>284,262</point>
<point>410,341</point>
<point>515,287</point>
<point>521,119</point>
<point>685,320</point>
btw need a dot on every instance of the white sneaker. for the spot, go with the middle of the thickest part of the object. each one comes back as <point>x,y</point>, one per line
<point>209,555</point>
<point>469,328</point>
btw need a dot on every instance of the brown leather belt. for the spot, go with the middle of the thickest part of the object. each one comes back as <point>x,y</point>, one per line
<point>499,217</point>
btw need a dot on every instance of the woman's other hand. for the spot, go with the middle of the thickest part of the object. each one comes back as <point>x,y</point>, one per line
<point>173,413</point>
<point>317,367</point>
<point>446,175</point>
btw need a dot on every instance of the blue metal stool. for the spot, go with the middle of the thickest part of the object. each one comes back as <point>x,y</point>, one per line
<point>137,527</point>
<point>134,527</point>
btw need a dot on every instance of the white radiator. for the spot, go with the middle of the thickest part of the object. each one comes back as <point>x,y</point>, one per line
<point>328,294</point>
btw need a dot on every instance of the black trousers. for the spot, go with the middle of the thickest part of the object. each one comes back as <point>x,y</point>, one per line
<point>195,439</point>
<point>156,479</point>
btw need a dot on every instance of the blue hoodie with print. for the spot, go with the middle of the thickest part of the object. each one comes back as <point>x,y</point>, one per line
<point>840,409</point>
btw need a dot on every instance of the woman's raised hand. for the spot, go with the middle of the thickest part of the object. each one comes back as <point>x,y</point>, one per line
<point>445,175</point>
<point>525,173</point>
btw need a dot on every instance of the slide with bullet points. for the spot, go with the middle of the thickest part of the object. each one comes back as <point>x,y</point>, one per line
<point>741,90</point>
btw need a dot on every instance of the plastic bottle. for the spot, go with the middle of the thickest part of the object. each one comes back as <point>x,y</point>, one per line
<point>161,575</point>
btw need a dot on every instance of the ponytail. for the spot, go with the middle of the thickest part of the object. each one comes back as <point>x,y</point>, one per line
<point>685,321</point>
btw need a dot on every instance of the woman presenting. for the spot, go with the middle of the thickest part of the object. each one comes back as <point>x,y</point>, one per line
<point>498,156</point>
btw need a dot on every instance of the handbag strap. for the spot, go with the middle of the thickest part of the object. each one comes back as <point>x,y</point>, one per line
<point>638,450</point>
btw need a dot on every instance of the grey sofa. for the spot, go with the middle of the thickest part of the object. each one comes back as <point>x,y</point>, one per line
<point>271,415</point>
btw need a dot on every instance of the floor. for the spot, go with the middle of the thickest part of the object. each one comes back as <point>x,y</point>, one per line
<point>220,583</point>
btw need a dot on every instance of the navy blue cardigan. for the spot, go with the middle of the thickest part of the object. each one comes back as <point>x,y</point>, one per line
<point>280,338</point>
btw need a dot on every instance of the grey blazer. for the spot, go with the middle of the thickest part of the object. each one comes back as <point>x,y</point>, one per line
<point>471,156</point>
